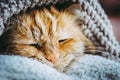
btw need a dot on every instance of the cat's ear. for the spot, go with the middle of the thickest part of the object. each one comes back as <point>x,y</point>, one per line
<point>73,8</point>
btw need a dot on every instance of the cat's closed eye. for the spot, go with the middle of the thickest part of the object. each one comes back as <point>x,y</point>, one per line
<point>62,40</point>
<point>36,45</point>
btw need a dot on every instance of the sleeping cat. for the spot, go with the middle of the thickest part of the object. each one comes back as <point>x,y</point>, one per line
<point>49,35</point>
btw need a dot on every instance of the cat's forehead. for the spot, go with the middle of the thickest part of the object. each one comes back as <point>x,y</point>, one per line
<point>62,34</point>
<point>67,29</point>
<point>51,24</point>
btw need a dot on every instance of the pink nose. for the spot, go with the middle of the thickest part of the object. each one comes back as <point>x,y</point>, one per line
<point>52,59</point>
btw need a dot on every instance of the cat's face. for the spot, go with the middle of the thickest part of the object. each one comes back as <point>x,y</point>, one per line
<point>50,34</point>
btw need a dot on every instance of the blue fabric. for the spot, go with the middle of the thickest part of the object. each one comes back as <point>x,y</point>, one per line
<point>88,67</point>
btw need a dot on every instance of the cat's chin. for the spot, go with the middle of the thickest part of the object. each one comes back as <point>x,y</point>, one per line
<point>49,64</point>
<point>64,63</point>
<point>45,61</point>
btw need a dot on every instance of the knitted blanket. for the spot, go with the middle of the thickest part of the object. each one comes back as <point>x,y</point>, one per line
<point>96,26</point>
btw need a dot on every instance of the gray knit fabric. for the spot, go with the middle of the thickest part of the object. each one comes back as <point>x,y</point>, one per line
<point>96,25</point>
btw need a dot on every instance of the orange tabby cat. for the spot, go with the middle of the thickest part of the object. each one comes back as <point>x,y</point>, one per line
<point>51,36</point>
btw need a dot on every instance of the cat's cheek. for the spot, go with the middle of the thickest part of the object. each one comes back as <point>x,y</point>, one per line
<point>24,50</point>
<point>79,48</point>
<point>73,47</point>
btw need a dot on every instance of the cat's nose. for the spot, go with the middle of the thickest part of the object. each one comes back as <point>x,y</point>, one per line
<point>52,59</point>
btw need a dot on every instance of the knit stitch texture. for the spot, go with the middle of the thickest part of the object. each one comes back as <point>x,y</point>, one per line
<point>96,26</point>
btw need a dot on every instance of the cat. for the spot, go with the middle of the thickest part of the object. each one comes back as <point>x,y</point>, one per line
<point>49,35</point>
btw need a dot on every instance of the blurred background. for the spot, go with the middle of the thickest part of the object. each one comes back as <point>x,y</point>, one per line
<point>112,9</point>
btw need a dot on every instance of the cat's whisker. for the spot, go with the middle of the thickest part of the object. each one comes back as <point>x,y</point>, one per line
<point>95,51</point>
<point>98,48</point>
<point>87,45</point>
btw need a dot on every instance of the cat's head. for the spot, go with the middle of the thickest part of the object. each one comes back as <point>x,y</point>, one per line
<point>50,33</point>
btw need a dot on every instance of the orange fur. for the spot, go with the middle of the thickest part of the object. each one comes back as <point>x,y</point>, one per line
<point>50,34</point>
